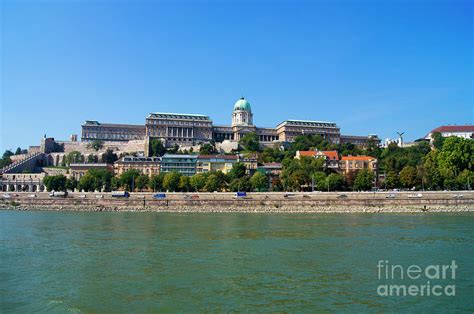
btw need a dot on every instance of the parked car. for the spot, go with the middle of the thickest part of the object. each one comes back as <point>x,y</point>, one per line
<point>458,196</point>
<point>342,196</point>
<point>32,195</point>
<point>240,194</point>
<point>99,196</point>
<point>7,196</point>
<point>82,196</point>
<point>159,196</point>
<point>418,195</point>
<point>289,195</point>
<point>391,195</point>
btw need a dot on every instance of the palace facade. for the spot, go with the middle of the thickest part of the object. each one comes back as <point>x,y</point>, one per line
<point>194,129</point>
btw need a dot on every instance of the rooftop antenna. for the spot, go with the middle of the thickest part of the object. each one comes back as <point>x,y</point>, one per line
<point>400,134</point>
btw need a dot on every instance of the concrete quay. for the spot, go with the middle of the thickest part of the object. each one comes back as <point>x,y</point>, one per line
<point>347,202</point>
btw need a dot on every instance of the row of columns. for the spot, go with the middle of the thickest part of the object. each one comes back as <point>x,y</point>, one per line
<point>179,132</point>
<point>268,138</point>
<point>22,187</point>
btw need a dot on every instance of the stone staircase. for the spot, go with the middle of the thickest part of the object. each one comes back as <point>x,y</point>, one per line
<point>28,163</point>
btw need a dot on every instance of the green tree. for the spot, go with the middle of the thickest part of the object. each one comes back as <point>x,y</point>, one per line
<point>73,157</point>
<point>156,182</point>
<point>363,180</point>
<point>238,171</point>
<point>198,181</point>
<point>55,183</point>
<point>259,181</point>
<point>5,161</point>
<point>431,175</point>
<point>127,179</point>
<point>96,145</point>
<point>102,179</point>
<point>171,181</point>
<point>141,182</point>
<point>456,155</point>
<point>86,183</point>
<point>391,180</point>
<point>20,151</point>
<point>319,178</point>
<point>71,184</point>
<point>465,179</point>
<point>408,177</point>
<point>207,149</point>
<point>184,184</point>
<point>438,140</point>
<point>250,142</point>
<point>157,148</point>
<point>213,183</point>
<point>240,184</point>
<point>92,159</point>
<point>296,180</point>
<point>335,182</point>
<point>109,157</point>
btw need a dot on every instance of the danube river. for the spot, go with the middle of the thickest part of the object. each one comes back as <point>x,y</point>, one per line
<point>147,262</point>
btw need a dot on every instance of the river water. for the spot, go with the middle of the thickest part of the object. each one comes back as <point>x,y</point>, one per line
<point>156,262</point>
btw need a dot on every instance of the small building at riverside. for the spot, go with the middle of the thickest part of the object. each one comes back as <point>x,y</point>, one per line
<point>183,164</point>
<point>146,165</point>
<point>78,170</point>
<point>207,163</point>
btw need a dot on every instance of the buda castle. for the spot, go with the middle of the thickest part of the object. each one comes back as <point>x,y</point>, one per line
<point>194,129</point>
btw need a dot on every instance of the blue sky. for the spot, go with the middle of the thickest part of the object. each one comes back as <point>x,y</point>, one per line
<point>370,66</point>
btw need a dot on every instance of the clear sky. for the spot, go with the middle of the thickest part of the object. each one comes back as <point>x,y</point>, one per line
<point>370,66</point>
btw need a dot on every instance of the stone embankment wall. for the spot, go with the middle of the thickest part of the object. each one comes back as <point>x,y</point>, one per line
<point>255,202</point>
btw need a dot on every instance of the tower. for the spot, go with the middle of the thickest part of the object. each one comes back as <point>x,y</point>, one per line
<point>242,114</point>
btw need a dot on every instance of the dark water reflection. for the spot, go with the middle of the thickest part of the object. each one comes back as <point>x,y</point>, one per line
<point>148,262</point>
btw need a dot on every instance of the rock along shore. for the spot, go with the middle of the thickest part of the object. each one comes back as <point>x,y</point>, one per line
<point>352,202</point>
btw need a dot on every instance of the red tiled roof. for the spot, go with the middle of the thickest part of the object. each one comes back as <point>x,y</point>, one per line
<point>358,158</point>
<point>307,153</point>
<point>454,128</point>
<point>331,154</point>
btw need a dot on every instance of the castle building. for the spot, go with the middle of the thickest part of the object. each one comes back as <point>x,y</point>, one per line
<point>94,130</point>
<point>193,129</point>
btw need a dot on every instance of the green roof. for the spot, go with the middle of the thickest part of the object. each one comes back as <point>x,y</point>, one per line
<point>242,104</point>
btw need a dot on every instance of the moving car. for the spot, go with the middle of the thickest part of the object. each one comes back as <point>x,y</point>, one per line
<point>58,194</point>
<point>391,195</point>
<point>120,194</point>
<point>99,196</point>
<point>418,195</point>
<point>7,196</point>
<point>458,196</point>
<point>32,195</point>
<point>342,196</point>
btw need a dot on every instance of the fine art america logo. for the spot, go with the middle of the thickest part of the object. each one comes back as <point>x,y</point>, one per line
<point>416,280</point>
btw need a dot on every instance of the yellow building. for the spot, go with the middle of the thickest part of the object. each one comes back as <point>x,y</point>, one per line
<point>207,163</point>
<point>355,163</point>
<point>146,165</point>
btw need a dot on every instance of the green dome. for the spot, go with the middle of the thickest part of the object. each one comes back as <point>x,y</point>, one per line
<point>242,104</point>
